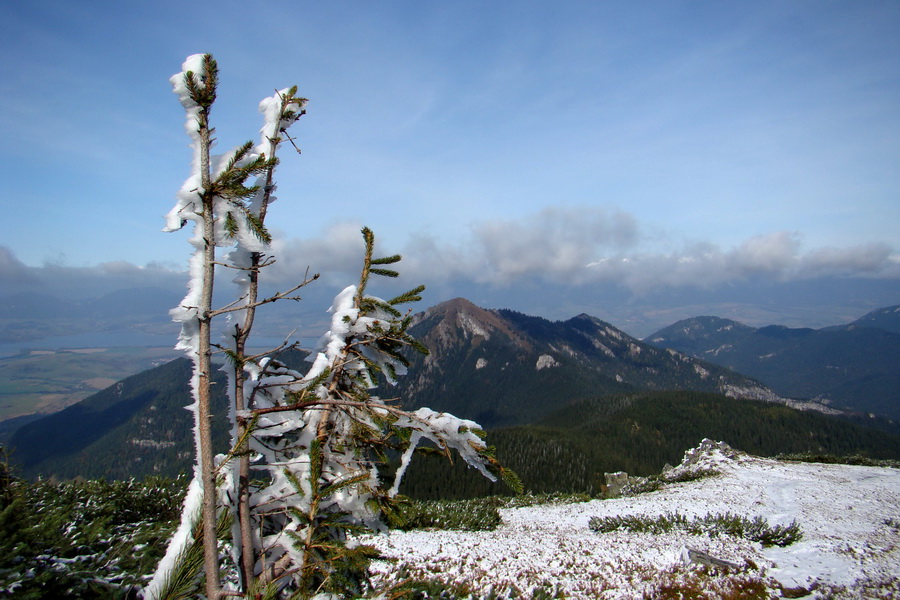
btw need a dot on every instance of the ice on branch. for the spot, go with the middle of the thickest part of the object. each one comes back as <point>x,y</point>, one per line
<point>279,112</point>
<point>193,69</point>
<point>447,432</point>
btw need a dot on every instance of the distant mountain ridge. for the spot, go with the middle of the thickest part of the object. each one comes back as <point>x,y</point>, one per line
<point>854,366</point>
<point>887,319</point>
<point>501,367</point>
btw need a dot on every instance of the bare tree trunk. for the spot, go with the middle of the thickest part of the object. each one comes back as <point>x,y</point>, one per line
<point>248,553</point>
<point>204,367</point>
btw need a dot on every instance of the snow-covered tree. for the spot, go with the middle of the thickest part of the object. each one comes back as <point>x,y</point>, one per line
<point>316,442</point>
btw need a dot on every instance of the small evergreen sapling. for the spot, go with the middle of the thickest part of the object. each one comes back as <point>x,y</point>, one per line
<point>316,440</point>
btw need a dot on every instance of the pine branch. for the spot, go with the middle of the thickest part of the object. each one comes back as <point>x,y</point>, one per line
<point>384,272</point>
<point>412,295</point>
<point>388,260</point>
<point>204,94</point>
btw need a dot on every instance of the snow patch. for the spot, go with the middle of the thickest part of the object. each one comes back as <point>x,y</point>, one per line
<point>612,333</point>
<point>604,349</point>
<point>842,511</point>
<point>470,325</point>
<point>545,361</point>
<point>152,444</point>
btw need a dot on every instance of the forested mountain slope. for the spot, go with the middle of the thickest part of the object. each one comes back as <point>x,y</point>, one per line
<point>139,426</point>
<point>887,319</point>
<point>572,448</point>
<point>135,427</point>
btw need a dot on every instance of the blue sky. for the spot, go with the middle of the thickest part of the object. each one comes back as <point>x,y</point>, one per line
<point>506,147</point>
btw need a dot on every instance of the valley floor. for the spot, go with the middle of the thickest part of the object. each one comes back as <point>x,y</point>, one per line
<point>849,516</point>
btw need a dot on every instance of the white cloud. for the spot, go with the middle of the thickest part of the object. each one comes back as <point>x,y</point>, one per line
<point>555,243</point>
<point>561,247</point>
<point>774,257</point>
<point>864,259</point>
<point>337,253</point>
<point>774,253</point>
<point>78,283</point>
<point>576,246</point>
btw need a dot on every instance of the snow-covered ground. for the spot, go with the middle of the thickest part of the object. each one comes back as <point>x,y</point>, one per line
<point>849,516</point>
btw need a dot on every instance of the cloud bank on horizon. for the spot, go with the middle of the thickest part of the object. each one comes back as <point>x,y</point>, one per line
<point>650,147</point>
<point>578,247</point>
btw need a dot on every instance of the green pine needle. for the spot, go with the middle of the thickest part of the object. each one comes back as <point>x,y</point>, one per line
<point>258,228</point>
<point>387,260</point>
<point>511,479</point>
<point>412,295</point>
<point>384,272</point>
<point>231,226</point>
<point>336,486</point>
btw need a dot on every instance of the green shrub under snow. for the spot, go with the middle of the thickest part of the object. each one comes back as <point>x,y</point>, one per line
<point>832,459</point>
<point>645,485</point>
<point>756,529</point>
<point>83,539</point>
<point>523,500</point>
<point>478,514</point>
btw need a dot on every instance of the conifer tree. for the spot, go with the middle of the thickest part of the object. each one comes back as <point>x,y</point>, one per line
<point>315,440</point>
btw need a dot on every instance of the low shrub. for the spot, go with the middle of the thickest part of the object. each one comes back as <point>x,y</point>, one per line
<point>417,584</point>
<point>642,485</point>
<point>699,585</point>
<point>690,475</point>
<point>524,500</point>
<point>85,539</point>
<point>479,514</point>
<point>756,529</point>
<point>645,485</point>
<point>831,459</point>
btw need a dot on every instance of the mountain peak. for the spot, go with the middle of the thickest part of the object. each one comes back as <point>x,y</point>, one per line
<point>460,316</point>
<point>454,306</point>
<point>887,318</point>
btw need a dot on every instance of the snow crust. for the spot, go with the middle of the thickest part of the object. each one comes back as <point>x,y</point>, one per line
<point>849,515</point>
